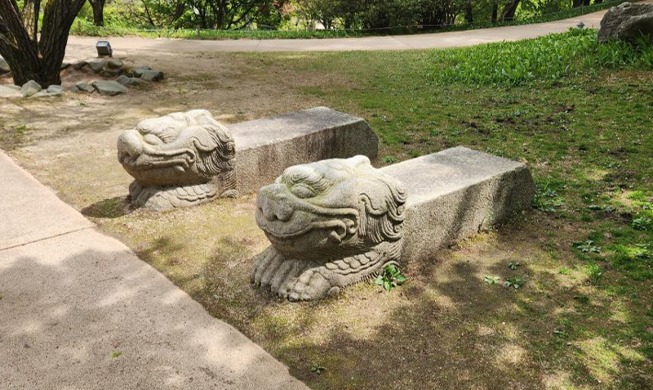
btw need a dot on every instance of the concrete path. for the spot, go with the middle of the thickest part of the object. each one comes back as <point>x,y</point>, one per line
<point>79,310</point>
<point>84,47</point>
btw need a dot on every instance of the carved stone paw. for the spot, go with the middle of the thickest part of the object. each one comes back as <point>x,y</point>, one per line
<point>272,271</point>
<point>311,284</point>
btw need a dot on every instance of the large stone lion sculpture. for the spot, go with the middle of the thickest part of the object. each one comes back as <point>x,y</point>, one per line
<point>178,160</point>
<point>331,224</point>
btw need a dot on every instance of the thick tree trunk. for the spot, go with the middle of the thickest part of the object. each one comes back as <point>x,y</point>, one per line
<point>31,61</point>
<point>495,10</point>
<point>98,11</point>
<point>509,10</point>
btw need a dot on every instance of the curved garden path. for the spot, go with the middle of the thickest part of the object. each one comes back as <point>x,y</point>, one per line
<point>83,47</point>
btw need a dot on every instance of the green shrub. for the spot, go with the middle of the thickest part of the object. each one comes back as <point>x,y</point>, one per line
<point>545,59</point>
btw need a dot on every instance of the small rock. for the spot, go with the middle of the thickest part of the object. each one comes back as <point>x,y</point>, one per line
<point>97,65</point>
<point>55,90</point>
<point>106,72</point>
<point>4,66</point>
<point>115,63</point>
<point>130,81</point>
<point>84,87</point>
<point>80,65</point>
<point>138,72</point>
<point>135,82</point>
<point>152,75</point>
<point>42,93</point>
<point>10,91</point>
<point>65,65</point>
<point>109,87</point>
<point>124,80</point>
<point>30,88</point>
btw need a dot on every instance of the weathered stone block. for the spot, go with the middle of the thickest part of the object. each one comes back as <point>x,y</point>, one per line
<point>336,222</point>
<point>456,193</point>
<point>265,147</point>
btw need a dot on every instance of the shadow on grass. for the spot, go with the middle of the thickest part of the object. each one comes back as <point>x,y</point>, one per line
<point>109,208</point>
<point>452,330</point>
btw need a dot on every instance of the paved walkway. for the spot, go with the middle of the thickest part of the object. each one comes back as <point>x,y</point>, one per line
<point>79,310</point>
<point>84,47</point>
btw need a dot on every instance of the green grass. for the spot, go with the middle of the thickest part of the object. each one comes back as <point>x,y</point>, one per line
<point>545,60</point>
<point>87,28</point>
<point>579,113</point>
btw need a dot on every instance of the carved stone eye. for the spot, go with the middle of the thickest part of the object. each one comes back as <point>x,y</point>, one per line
<point>302,191</point>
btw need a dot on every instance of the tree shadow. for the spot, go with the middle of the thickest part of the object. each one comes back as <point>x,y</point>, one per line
<point>75,317</point>
<point>108,208</point>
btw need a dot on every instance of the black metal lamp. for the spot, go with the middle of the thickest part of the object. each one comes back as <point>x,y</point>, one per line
<point>104,49</point>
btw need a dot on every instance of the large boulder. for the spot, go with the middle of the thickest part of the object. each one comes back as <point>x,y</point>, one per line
<point>628,22</point>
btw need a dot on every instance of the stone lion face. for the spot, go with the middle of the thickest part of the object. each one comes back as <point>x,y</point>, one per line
<point>177,149</point>
<point>331,208</point>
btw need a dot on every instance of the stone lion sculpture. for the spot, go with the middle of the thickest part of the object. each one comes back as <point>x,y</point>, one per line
<point>178,160</point>
<point>331,224</point>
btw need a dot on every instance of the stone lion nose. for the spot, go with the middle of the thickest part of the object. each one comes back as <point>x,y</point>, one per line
<point>274,206</point>
<point>130,145</point>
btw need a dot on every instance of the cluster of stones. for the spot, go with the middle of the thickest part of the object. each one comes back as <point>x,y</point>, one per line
<point>29,89</point>
<point>113,67</point>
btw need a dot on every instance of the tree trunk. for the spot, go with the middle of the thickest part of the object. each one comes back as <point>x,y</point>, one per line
<point>31,61</point>
<point>508,13</point>
<point>577,3</point>
<point>98,11</point>
<point>31,10</point>
<point>495,10</point>
<point>469,13</point>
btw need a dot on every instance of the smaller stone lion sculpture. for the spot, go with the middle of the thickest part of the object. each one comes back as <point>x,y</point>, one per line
<point>178,160</point>
<point>331,224</point>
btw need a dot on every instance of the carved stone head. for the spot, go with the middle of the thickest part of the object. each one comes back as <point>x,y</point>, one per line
<point>340,219</point>
<point>179,153</point>
<point>177,149</point>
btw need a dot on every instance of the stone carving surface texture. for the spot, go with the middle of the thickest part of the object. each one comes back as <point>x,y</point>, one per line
<point>627,22</point>
<point>331,224</point>
<point>178,160</point>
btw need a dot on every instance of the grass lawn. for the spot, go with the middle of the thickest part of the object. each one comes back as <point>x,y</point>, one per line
<point>581,117</point>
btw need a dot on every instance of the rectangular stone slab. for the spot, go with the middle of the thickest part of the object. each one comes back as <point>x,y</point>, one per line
<point>265,147</point>
<point>456,193</point>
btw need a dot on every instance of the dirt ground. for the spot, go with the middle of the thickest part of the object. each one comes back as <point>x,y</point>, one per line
<point>445,329</point>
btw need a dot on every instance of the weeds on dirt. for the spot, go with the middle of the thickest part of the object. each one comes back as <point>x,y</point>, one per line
<point>390,277</point>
